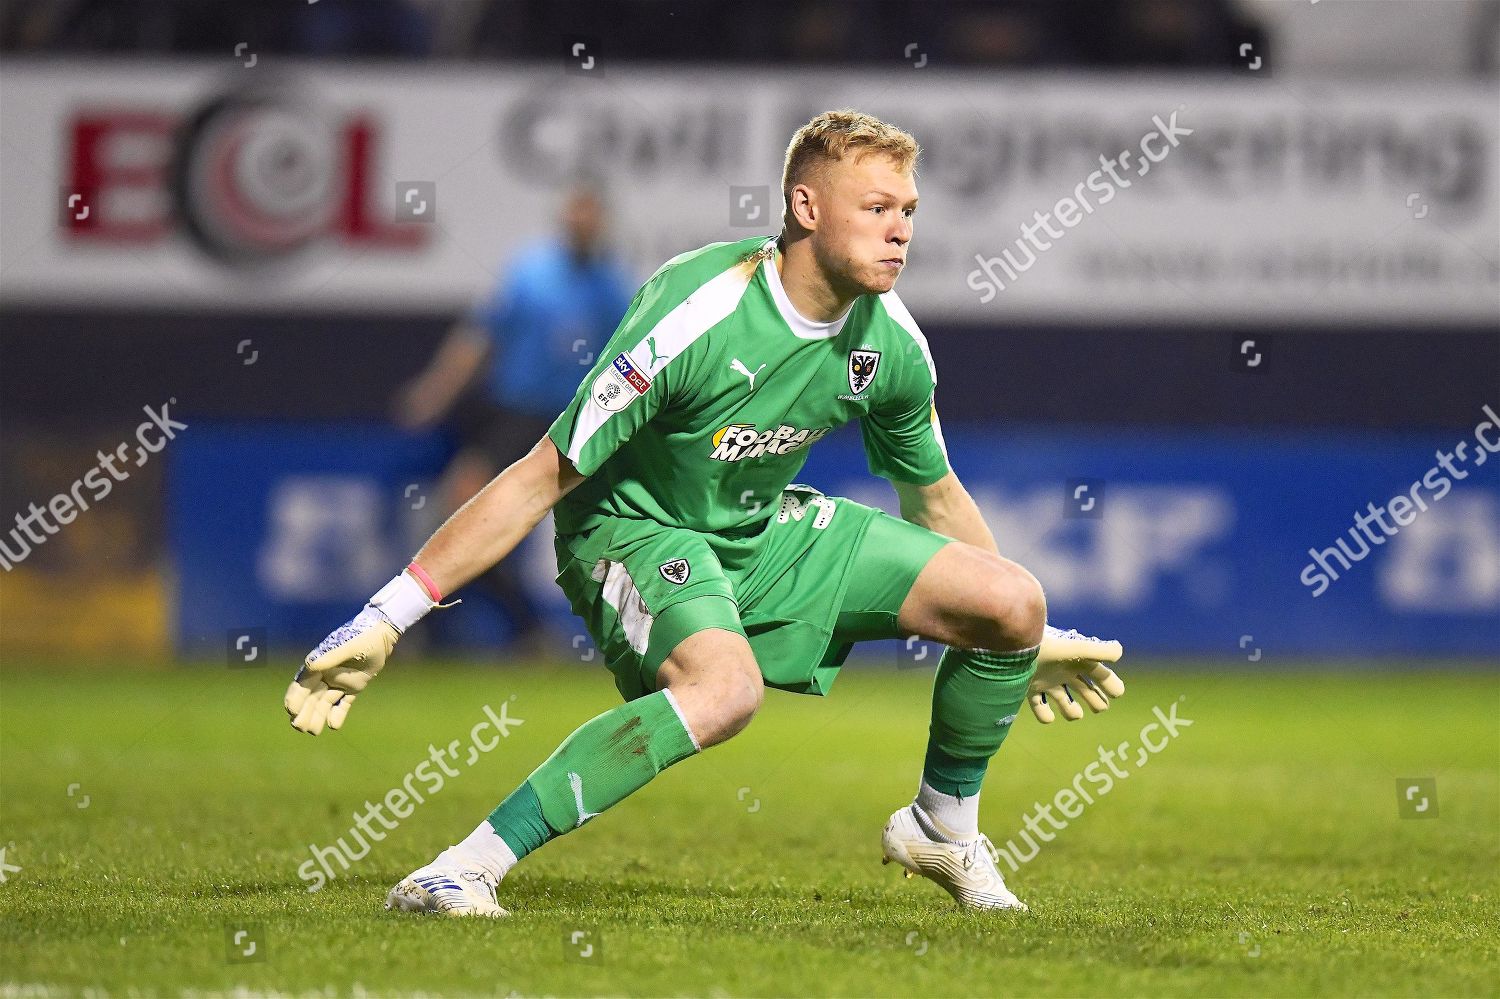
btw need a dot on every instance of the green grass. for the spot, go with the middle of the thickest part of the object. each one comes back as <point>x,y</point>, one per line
<point>1260,853</point>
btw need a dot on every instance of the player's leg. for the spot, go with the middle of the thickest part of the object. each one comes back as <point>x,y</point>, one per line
<point>904,580</point>
<point>716,683</point>
<point>990,612</point>
<point>969,598</point>
<point>708,689</point>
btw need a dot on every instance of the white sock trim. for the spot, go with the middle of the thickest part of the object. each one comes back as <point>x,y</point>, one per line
<point>954,817</point>
<point>1009,653</point>
<point>483,848</point>
<point>672,700</point>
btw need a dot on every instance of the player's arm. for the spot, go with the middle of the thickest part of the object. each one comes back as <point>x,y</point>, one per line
<point>616,398</point>
<point>945,507</point>
<point>483,531</point>
<point>490,526</point>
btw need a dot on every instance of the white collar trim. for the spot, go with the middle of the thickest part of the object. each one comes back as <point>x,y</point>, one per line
<point>802,327</point>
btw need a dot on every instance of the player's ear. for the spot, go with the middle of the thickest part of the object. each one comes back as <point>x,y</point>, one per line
<point>802,208</point>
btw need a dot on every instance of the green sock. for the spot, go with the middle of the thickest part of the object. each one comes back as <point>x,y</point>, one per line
<point>975,698</point>
<point>603,762</point>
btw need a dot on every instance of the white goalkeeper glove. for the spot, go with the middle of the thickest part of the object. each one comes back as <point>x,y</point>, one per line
<point>341,667</point>
<point>1070,668</point>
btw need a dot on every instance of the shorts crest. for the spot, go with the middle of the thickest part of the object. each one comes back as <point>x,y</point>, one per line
<point>676,571</point>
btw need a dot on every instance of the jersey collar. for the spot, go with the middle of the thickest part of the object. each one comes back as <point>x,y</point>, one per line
<point>804,328</point>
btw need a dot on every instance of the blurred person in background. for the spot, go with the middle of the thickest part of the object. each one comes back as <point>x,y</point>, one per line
<point>511,365</point>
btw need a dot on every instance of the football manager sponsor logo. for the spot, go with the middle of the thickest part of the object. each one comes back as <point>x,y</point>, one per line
<point>741,440</point>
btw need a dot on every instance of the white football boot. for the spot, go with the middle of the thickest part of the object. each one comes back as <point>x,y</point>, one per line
<point>966,871</point>
<point>446,890</point>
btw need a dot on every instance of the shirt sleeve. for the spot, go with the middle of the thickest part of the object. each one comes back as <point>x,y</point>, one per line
<point>902,436</point>
<point>627,386</point>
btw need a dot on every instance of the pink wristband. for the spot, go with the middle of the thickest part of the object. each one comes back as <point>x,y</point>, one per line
<point>420,575</point>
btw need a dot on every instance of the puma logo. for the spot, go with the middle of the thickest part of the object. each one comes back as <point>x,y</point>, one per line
<point>655,357</point>
<point>739,366</point>
<point>576,783</point>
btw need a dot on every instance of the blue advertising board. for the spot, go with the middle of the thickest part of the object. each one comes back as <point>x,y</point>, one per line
<point>277,530</point>
<point>1221,544</point>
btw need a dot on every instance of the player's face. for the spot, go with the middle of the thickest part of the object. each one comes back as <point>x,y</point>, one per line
<point>583,220</point>
<point>863,236</point>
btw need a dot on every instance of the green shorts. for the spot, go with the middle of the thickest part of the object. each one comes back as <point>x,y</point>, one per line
<point>823,573</point>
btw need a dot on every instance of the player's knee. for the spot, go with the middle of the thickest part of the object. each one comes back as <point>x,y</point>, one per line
<point>1017,610</point>
<point>743,695</point>
<point>717,684</point>
<point>719,711</point>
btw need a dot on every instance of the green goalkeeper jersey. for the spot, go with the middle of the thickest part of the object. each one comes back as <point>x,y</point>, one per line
<point>703,405</point>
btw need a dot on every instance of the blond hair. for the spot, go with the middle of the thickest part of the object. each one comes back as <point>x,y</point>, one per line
<point>831,136</point>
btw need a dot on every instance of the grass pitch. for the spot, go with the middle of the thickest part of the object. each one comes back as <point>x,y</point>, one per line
<point>153,826</point>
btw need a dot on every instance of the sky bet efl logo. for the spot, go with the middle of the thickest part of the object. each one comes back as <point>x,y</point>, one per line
<point>619,384</point>
<point>740,440</point>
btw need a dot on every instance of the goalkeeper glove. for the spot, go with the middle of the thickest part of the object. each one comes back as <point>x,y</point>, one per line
<point>341,667</point>
<point>1070,668</point>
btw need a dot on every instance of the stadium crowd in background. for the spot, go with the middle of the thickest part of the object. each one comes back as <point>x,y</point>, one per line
<point>1021,33</point>
<point>1373,37</point>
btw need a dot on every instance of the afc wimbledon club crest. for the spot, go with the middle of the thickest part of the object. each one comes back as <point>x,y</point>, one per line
<point>676,571</point>
<point>862,365</point>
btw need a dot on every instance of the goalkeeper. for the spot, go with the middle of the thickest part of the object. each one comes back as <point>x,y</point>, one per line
<point>705,575</point>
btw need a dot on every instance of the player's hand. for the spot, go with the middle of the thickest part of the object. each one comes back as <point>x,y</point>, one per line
<point>324,689</point>
<point>1071,668</point>
<point>341,667</point>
